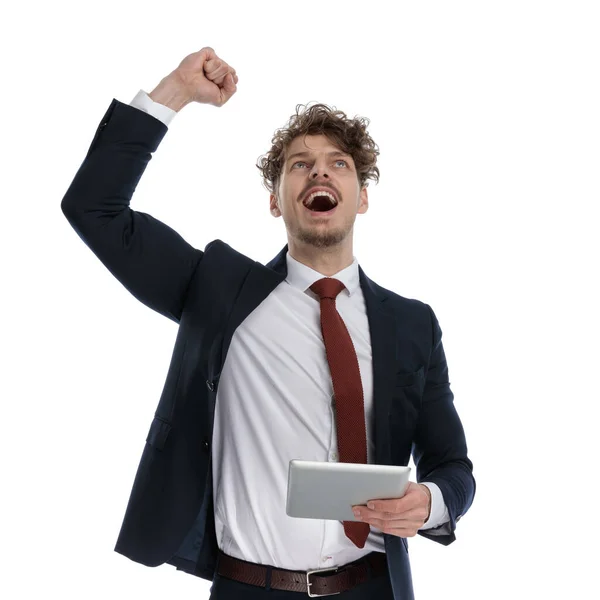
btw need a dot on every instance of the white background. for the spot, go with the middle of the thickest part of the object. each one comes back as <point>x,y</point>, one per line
<point>487,118</point>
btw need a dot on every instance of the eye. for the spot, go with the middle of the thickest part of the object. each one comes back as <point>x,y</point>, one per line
<point>301,162</point>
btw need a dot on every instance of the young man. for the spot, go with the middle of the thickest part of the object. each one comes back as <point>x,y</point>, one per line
<point>307,357</point>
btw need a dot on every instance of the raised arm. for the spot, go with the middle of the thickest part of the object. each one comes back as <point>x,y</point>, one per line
<point>147,256</point>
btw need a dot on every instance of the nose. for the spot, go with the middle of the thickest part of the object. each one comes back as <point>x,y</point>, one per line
<point>315,171</point>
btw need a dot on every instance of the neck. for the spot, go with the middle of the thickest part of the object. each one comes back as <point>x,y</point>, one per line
<point>327,261</point>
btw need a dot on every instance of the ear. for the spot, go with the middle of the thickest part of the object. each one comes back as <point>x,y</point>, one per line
<point>364,201</point>
<point>274,205</point>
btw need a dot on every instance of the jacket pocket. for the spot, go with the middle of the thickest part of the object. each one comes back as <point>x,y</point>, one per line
<point>157,435</point>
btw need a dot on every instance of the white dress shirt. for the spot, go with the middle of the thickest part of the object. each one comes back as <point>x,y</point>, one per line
<point>274,404</point>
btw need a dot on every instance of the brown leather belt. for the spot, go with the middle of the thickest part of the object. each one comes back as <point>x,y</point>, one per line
<point>345,578</point>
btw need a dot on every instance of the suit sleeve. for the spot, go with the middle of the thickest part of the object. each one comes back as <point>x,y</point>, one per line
<point>149,258</point>
<point>439,447</point>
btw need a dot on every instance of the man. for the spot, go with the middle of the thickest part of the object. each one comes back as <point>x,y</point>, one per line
<point>308,358</point>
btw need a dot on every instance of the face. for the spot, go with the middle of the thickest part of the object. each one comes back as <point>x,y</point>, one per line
<point>318,167</point>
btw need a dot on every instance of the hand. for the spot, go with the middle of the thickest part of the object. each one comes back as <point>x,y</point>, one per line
<point>399,516</point>
<point>207,78</point>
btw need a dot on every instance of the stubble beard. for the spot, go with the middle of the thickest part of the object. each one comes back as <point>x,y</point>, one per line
<point>321,238</point>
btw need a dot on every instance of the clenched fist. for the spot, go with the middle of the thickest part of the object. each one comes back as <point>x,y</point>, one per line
<point>207,78</point>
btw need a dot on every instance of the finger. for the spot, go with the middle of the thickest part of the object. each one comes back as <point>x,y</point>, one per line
<point>218,74</point>
<point>231,83</point>
<point>228,89</point>
<point>392,506</point>
<point>223,69</point>
<point>414,514</point>
<point>219,67</point>
<point>210,52</point>
<point>367,513</point>
<point>221,80</point>
<point>396,525</point>
<point>235,77</point>
<point>402,532</point>
<point>212,66</point>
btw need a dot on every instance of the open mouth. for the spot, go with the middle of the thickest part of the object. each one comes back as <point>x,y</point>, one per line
<point>320,205</point>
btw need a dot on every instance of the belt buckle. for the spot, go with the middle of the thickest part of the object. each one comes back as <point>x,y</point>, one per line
<point>308,583</point>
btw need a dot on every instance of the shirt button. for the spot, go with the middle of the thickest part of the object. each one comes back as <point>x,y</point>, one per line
<point>334,456</point>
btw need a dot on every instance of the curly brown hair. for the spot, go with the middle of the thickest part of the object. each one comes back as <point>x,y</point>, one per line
<point>350,135</point>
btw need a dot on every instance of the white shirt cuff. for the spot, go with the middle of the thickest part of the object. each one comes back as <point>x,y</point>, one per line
<point>439,511</point>
<point>155,109</point>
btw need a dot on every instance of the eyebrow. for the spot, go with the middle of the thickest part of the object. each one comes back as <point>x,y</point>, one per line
<point>333,153</point>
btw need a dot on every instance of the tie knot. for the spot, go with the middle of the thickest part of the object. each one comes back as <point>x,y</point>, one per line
<point>327,287</point>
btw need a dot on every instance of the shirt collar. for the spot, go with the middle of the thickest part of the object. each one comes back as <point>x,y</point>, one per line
<point>302,276</point>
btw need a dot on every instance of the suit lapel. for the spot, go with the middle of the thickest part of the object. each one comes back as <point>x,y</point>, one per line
<point>263,279</point>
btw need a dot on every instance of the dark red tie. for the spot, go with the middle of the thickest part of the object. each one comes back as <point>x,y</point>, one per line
<point>347,389</point>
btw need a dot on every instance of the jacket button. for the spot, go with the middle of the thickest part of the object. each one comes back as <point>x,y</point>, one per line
<point>205,444</point>
<point>210,385</point>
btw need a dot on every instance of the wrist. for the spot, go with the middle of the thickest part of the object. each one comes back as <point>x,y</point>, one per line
<point>428,492</point>
<point>171,92</point>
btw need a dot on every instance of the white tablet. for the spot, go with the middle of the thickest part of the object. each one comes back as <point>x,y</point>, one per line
<point>329,490</point>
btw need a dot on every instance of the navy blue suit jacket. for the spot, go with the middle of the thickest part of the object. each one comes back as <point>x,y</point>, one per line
<point>170,513</point>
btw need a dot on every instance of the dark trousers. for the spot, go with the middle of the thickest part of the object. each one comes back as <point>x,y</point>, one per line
<point>228,589</point>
